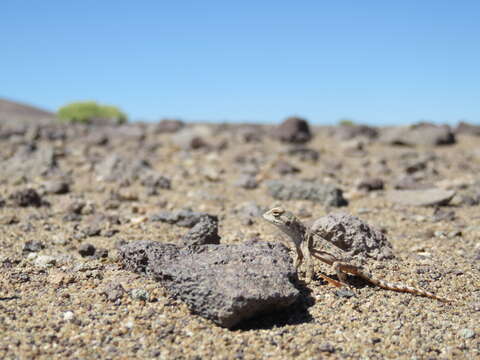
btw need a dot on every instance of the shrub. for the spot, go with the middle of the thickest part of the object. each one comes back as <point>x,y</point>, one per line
<point>346,122</point>
<point>89,111</point>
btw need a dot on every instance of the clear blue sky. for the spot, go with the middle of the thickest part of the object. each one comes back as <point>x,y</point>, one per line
<point>373,61</point>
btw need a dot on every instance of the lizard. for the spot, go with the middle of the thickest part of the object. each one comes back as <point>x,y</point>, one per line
<point>302,240</point>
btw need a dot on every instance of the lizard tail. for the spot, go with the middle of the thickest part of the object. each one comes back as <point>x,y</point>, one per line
<point>400,287</point>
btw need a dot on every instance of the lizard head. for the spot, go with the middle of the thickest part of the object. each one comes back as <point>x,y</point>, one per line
<point>279,217</point>
<point>287,223</point>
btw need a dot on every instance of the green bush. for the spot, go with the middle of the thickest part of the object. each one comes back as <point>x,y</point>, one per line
<point>88,111</point>
<point>346,122</point>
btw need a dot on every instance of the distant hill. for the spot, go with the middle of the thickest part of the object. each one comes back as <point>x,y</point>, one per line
<point>14,111</point>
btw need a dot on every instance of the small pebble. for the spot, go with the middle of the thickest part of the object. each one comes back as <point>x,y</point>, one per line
<point>326,347</point>
<point>140,294</point>
<point>345,293</point>
<point>467,333</point>
<point>45,261</point>
<point>33,246</point>
<point>86,250</point>
<point>361,211</point>
<point>68,316</point>
<point>453,234</point>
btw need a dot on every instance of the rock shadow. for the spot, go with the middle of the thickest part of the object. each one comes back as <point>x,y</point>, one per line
<point>295,314</point>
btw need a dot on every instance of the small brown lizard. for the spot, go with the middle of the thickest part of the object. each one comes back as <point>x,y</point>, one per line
<point>302,239</point>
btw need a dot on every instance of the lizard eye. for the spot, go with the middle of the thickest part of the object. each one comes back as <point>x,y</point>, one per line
<point>277,212</point>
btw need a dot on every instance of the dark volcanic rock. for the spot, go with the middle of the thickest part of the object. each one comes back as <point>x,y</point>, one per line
<point>168,126</point>
<point>304,153</point>
<point>204,232</point>
<point>27,197</point>
<point>419,134</point>
<point>33,246</point>
<point>371,184</point>
<point>347,132</point>
<point>285,168</point>
<point>223,283</point>
<point>353,235</point>
<point>185,218</point>
<point>86,250</point>
<point>247,181</point>
<point>249,210</point>
<point>152,179</point>
<point>326,194</point>
<point>293,130</point>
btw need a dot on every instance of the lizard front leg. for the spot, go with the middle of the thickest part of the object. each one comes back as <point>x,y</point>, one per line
<point>297,257</point>
<point>305,248</point>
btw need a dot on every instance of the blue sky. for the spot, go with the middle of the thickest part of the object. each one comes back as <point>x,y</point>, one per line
<point>378,62</point>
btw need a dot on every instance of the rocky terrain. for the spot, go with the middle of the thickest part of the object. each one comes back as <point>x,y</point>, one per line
<point>146,240</point>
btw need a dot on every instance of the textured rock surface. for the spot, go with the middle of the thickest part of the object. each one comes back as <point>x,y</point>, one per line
<point>31,162</point>
<point>185,218</point>
<point>205,231</point>
<point>223,283</point>
<point>168,126</point>
<point>26,197</point>
<point>327,194</point>
<point>370,184</point>
<point>420,134</point>
<point>120,168</point>
<point>347,132</point>
<point>353,235</point>
<point>293,130</point>
<point>425,197</point>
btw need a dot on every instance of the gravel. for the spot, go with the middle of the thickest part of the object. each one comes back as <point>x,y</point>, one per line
<point>37,288</point>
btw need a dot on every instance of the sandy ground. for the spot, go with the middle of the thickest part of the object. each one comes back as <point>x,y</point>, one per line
<point>59,310</point>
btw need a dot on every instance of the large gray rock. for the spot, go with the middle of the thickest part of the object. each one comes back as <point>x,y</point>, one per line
<point>425,197</point>
<point>223,283</point>
<point>30,162</point>
<point>352,235</point>
<point>419,134</point>
<point>327,194</point>
<point>293,130</point>
<point>119,168</point>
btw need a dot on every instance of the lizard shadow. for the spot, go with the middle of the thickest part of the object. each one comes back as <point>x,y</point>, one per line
<point>352,281</point>
<point>295,314</point>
